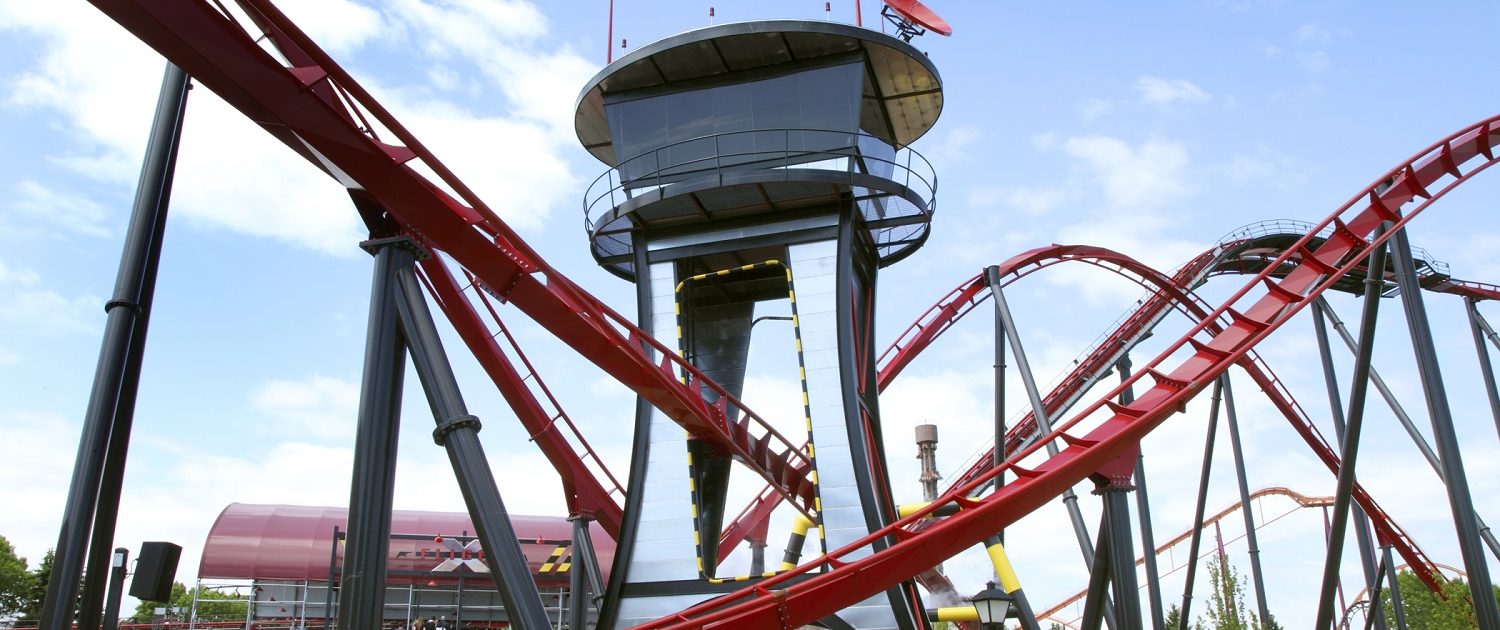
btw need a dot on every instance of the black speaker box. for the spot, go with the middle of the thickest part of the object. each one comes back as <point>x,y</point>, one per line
<point>155,568</point>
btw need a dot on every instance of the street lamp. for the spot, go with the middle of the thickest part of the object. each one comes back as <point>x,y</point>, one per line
<point>116,588</point>
<point>993,606</point>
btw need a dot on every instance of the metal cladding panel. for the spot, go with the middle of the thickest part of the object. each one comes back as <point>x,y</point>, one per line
<point>292,542</point>
<point>814,266</point>
<point>664,540</point>
<point>639,610</point>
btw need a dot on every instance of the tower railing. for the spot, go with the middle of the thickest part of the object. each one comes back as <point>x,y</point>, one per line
<point>765,150</point>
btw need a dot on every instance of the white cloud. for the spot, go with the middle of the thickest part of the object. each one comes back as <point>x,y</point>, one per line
<point>338,26</point>
<point>1313,34</point>
<point>1152,174</point>
<point>1314,60</point>
<point>46,313</point>
<point>232,175</point>
<point>1268,50</point>
<point>73,213</point>
<point>539,85</point>
<point>953,147</point>
<point>522,186</point>
<point>18,275</point>
<point>1035,200</point>
<point>1032,200</point>
<point>1264,167</point>
<point>1167,92</point>
<point>319,406</point>
<point>1095,107</point>
<point>29,478</point>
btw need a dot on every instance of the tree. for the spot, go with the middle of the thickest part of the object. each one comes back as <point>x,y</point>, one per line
<point>212,605</point>
<point>15,581</point>
<point>1173,619</point>
<point>146,609</point>
<point>1226,602</point>
<point>1425,611</point>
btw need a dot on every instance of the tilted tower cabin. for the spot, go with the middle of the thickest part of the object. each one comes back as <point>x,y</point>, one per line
<point>750,162</point>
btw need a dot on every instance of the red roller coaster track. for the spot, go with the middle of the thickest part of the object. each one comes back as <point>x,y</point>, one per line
<point>320,112</point>
<point>1254,311</point>
<point>1166,293</point>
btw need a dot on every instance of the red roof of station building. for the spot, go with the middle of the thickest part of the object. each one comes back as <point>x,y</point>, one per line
<point>293,542</point>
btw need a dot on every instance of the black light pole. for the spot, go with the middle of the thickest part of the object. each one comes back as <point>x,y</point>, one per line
<point>116,588</point>
<point>93,492</point>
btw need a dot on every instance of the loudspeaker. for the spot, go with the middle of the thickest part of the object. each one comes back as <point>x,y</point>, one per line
<point>155,568</point>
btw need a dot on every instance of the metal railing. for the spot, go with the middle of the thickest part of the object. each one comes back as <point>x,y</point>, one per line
<point>814,149</point>
<point>1295,229</point>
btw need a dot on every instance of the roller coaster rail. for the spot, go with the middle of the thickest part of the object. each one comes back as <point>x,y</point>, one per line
<point>266,67</point>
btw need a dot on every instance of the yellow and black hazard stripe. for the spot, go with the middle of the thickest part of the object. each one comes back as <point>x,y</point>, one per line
<point>791,291</point>
<point>794,544</point>
<point>555,562</point>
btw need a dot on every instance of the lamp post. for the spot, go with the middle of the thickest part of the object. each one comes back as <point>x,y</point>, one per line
<point>993,606</point>
<point>116,588</point>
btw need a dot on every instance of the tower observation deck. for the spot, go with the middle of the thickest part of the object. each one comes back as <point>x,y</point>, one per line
<point>750,163</point>
<point>747,123</point>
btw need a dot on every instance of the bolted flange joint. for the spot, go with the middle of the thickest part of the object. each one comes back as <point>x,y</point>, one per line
<point>440,434</point>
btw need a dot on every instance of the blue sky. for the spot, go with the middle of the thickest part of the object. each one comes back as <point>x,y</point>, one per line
<point>1150,128</point>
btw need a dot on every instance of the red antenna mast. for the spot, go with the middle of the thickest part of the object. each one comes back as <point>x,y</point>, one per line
<point>609,39</point>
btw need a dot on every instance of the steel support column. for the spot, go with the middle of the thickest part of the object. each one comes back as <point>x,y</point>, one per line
<point>1115,522</point>
<point>992,274</point>
<point>1486,369</point>
<point>1398,610</point>
<point>1354,423</point>
<point>372,487</point>
<point>1406,423</point>
<point>333,555</point>
<point>585,583</point>
<point>1374,611</point>
<point>1099,578</point>
<point>1256,578</point>
<point>1043,423</point>
<point>1196,540</point>
<point>458,432</point>
<point>1486,612</point>
<point>1143,508</point>
<point>1336,408</point>
<point>99,466</point>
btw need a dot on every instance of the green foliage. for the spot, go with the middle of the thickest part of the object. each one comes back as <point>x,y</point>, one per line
<point>1226,603</point>
<point>1425,611</point>
<point>37,589</point>
<point>212,605</point>
<point>15,581</point>
<point>1173,620</point>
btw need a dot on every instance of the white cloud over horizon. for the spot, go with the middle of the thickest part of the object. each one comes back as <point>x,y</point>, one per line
<point>1166,92</point>
<point>234,176</point>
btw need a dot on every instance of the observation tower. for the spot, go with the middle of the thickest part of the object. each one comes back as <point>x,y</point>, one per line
<point>752,162</point>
